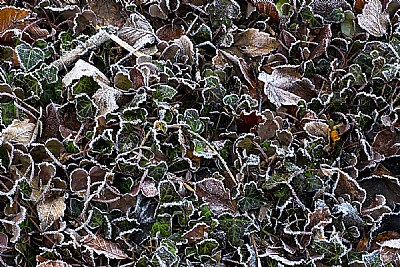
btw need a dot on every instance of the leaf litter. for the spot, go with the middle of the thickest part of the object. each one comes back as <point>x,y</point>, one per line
<point>199,133</point>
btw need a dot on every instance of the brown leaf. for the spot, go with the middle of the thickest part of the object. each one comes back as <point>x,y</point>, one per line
<point>347,185</point>
<point>253,43</point>
<point>108,12</point>
<point>22,132</point>
<point>10,17</point>
<point>170,32</point>
<point>317,129</point>
<point>386,142</point>
<point>3,242</point>
<point>390,252</point>
<point>323,39</point>
<point>105,247</point>
<point>217,197</point>
<point>286,87</point>
<point>198,232</point>
<point>49,211</point>
<point>268,8</point>
<point>384,186</point>
<point>373,19</point>
<point>358,6</point>
<point>241,68</point>
<point>248,121</point>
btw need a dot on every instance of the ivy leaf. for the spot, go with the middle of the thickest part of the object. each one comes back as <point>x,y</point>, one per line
<point>29,56</point>
<point>234,227</point>
<point>85,108</point>
<point>163,92</point>
<point>49,211</point>
<point>373,19</point>
<point>191,117</point>
<point>252,199</point>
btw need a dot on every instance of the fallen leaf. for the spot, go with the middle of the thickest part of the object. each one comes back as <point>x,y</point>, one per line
<point>217,197</point>
<point>373,19</point>
<point>10,16</point>
<point>49,211</point>
<point>105,98</point>
<point>266,7</point>
<point>105,247</point>
<point>317,129</point>
<point>253,43</point>
<point>137,32</point>
<point>278,84</point>
<point>81,69</point>
<point>386,142</point>
<point>197,232</point>
<point>108,12</point>
<point>323,39</point>
<point>22,132</point>
<point>170,32</point>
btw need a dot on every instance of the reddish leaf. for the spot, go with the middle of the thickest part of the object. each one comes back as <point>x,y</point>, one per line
<point>248,121</point>
<point>268,8</point>
<point>170,32</point>
<point>213,192</point>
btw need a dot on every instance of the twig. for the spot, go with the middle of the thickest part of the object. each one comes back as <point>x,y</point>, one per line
<point>217,154</point>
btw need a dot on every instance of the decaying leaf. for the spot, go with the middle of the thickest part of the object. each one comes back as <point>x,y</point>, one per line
<point>278,85</point>
<point>253,43</point>
<point>23,132</point>
<point>81,69</point>
<point>10,15</point>
<point>137,32</point>
<point>373,19</point>
<point>104,247</point>
<point>217,197</point>
<point>50,210</point>
<point>317,129</point>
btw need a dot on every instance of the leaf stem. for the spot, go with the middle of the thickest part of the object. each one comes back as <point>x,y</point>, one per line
<point>217,154</point>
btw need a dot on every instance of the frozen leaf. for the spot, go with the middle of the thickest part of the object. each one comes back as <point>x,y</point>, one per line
<point>106,98</point>
<point>192,119</point>
<point>386,142</point>
<point>323,39</point>
<point>49,211</point>
<point>105,247</point>
<point>278,85</point>
<point>384,186</point>
<point>85,108</point>
<point>50,263</point>
<point>268,8</point>
<point>373,19</point>
<point>170,32</point>
<point>217,197</point>
<point>234,227</point>
<point>10,15</point>
<point>252,197</point>
<point>197,232</point>
<point>29,56</point>
<point>317,129</point>
<point>3,242</point>
<point>81,69</point>
<point>23,132</point>
<point>390,252</point>
<point>137,32</point>
<point>253,43</point>
<point>108,12</point>
<point>326,7</point>
<point>163,92</point>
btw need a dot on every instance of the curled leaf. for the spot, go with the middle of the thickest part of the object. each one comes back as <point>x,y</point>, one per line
<point>373,19</point>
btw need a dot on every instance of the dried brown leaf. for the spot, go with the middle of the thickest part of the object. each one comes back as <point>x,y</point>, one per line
<point>253,43</point>
<point>373,19</point>
<point>10,17</point>
<point>49,211</point>
<point>22,132</point>
<point>217,197</point>
<point>105,247</point>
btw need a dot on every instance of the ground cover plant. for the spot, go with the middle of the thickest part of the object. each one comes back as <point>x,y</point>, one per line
<point>199,133</point>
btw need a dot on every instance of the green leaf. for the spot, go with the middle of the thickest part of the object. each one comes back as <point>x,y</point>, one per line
<point>28,56</point>
<point>252,199</point>
<point>168,193</point>
<point>128,137</point>
<point>192,119</point>
<point>85,108</point>
<point>86,85</point>
<point>234,227</point>
<point>29,83</point>
<point>163,92</point>
<point>157,171</point>
<point>207,246</point>
<point>162,227</point>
